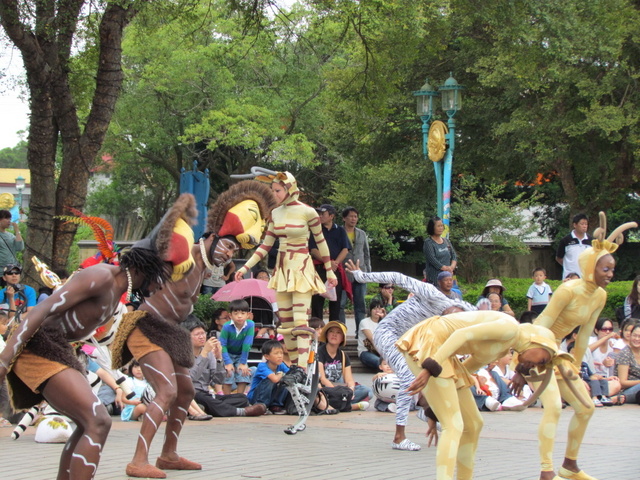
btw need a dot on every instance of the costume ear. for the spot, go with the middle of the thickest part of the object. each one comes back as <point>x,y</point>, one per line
<point>600,232</point>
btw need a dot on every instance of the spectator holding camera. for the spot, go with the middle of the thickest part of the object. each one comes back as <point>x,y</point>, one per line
<point>10,243</point>
<point>16,295</point>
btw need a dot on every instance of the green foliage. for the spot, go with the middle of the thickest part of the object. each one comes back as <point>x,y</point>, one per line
<point>516,293</point>
<point>14,157</point>
<point>482,218</point>
<point>204,308</point>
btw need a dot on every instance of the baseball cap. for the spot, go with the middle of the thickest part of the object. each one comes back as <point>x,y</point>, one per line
<point>12,267</point>
<point>326,208</point>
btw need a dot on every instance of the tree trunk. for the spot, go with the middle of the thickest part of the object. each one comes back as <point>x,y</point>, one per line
<point>45,44</point>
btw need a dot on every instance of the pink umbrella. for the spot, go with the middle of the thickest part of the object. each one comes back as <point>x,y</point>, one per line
<point>250,287</point>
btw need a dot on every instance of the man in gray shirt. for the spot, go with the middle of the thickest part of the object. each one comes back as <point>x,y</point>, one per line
<point>10,244</point>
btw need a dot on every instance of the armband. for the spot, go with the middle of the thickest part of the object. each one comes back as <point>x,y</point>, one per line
<point>433,367</point>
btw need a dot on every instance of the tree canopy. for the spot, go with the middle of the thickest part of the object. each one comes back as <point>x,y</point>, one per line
<point>323,89</point>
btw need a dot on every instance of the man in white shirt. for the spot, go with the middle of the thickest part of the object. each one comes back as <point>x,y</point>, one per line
<point>573,245</point>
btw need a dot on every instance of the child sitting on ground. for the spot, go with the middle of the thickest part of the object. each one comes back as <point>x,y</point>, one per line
<point>236,339</point>
<point>490,391</point>
<point>266,386</point>
<point>386,386</point>
<point>134,408</point>
<point>595,383</point>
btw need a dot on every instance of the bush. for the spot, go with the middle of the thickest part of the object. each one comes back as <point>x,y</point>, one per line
<point>516,293</point>
<point>204,308</point>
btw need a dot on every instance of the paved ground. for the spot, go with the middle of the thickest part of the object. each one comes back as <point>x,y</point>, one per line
<point>346,446</point>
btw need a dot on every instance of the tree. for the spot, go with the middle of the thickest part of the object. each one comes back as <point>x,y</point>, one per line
<point>46,33</point>
<point>14,157</point>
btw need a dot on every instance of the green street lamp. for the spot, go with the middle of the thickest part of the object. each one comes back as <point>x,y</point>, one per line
<point>438,140</point>
<point>20,184</point>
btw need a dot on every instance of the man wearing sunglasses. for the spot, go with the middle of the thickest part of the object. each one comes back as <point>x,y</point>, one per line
<point>16,295</point>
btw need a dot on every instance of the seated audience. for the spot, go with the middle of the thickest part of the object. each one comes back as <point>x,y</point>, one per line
<point>628,367</point>
<point>134,408</point>
<point>220,317</point>
<point>596,384</point>
<point>385,296</point>
<point>367,352</point>
<point>491,393</point>
<point>445,285</point>
<point>386,386</point>
<point>266,387</point>
<point>208,371</point>
<point>625,331</point>
<point>236,339</point>
<point>601,347</point>
<point>335,366</point>
<point>495,286</point>
<point>528,316</point>
<point>631,306</point>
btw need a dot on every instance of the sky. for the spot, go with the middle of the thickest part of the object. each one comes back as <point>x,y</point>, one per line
<point>13,107</point>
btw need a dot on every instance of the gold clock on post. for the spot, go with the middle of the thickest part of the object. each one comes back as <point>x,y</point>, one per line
<point>437,144</point>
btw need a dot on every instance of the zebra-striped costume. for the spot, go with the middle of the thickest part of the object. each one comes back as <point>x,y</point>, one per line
<point>427,302</point>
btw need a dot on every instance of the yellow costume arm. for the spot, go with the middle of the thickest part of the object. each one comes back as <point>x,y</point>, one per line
<point>316,229</point>
<point>499,330</point>
<point>262,251</point>
<point>559,301</point>
<point>582,341</point>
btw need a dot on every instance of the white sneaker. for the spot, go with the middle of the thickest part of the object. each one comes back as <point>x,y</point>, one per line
<point>360,406</point>
<point>492,404</point>
<point>392,407</point>
<point>421,415</point>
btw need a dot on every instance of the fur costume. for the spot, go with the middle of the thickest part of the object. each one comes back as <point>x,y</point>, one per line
<point>170,337</point>
<point>241,212</point>
<point>49,343</point>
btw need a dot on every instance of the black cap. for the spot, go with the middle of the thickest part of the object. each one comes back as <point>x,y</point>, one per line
<point>326,208</point>
<point>11,267</point>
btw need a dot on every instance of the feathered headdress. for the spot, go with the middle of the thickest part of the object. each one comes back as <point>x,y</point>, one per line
<point>102,232</point>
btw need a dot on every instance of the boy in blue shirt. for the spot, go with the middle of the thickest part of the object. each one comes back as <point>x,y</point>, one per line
<point>236,339</point>
<point>266,386</point>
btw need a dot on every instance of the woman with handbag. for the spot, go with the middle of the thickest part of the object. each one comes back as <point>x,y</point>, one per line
<point>438,251</point>
<point>367,351</point>
<point>335,369</point>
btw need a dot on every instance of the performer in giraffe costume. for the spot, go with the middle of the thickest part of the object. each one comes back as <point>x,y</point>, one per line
<point>153,334</point>
<point>431,349</point>
<point>294,278</point>
<point>576,303</point>
<point>39,361</point>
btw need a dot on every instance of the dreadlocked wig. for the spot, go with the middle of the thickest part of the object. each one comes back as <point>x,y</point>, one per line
<point>147,262</point>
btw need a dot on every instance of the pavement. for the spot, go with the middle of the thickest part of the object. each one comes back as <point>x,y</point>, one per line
<point>355,445</point>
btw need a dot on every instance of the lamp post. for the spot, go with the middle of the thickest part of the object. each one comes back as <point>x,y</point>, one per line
<point>438,140</point>
<point>20,184</point>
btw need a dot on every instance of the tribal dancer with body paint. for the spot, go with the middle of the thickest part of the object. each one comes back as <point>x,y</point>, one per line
<point>576,303</point>
<point>427,301</point>
<point>294,279</point>
<point>39,361</point>
<point>431,349</point>
<point>236,219</point>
